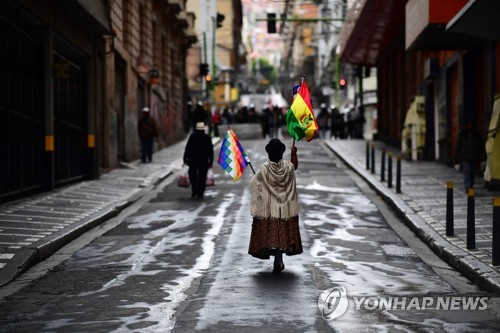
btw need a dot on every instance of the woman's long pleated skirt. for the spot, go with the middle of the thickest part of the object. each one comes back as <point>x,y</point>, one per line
<point>271,235</point>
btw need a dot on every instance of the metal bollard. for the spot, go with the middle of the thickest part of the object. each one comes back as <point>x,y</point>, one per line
<point>398,174</point>
<point>382,167</point>
<point>471,225</point>
<point>389,170</point>
<point>496,232</point>
<point>373,158</point>
<point>449,210</point>
<point>367,155</point>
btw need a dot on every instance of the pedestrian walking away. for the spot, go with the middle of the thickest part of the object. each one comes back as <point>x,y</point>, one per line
<point>323,121</point>
<point>199,156</point>
<point>274,207</point>
<point>469,152</point>
<point>148,131</point>
<point>216,121</point>
<point>337,123</point>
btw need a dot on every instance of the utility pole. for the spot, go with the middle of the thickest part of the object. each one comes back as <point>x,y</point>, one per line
<point>360,87</point>
<point>214,30</point>
<point>337,78</point>
<point>203,81</point>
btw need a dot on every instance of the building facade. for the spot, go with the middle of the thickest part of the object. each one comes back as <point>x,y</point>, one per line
<point>146,67</point>
<point>75,75</point>
<point>428,50</point>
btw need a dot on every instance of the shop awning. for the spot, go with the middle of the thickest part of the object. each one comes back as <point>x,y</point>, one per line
<point>477,18</point>
<point>426,25</point>
<point>369,28</point>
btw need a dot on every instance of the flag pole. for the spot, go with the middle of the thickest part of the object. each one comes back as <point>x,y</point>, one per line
<point>250,163</point>
<point>301,81</point>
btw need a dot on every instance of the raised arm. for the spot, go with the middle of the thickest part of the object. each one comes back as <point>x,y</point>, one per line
<point>294,159</point>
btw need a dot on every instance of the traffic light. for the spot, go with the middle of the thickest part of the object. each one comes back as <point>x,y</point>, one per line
<point>208,78</point>
<point>220,19</point>
<point>271,23</point>
<point>342,83</point>
<point>204,69</point>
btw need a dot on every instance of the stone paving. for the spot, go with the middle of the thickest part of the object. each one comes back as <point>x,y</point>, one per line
<point>422,204</point>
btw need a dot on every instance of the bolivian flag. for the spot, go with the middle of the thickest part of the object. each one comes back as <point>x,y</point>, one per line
<point>300,117</point>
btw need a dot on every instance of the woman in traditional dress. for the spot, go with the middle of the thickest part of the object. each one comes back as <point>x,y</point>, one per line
<point>274,207</point>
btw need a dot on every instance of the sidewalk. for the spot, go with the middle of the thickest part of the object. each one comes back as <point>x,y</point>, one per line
<point>32,229</point>
<point>422,206</point>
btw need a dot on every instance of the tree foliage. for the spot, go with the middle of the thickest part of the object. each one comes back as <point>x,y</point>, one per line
<point>266,70</point>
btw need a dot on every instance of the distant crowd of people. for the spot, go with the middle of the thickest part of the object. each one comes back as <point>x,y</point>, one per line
<point>332,123</point>
<point>271,118</point>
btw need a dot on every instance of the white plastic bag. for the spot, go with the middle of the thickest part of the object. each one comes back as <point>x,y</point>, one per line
<point>183,180</point>
<point>210,178</point>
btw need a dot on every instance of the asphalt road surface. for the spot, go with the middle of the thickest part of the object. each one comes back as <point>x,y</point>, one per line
<point>171,263</point>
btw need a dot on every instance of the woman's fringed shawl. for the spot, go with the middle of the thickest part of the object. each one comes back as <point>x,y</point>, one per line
<point>273,191</point>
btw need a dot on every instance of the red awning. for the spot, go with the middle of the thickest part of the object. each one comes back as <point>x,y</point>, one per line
<point>426,25</point>
<point>369,27</point>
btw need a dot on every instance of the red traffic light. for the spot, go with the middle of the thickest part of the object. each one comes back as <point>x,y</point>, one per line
<point>342,82</point>
<point>208,78</point>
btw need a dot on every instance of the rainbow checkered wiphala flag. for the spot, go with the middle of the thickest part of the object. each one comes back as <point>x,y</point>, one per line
<point>232,156</point>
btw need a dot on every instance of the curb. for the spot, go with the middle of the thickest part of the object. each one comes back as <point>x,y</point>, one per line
<point>45,247</point>
<point>477,271</point>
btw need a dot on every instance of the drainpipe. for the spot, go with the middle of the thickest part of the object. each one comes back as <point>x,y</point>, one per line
<point>337,77</point>
<point>49,107</point>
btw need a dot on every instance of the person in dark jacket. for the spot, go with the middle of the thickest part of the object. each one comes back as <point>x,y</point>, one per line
<point>147,132</point>
<point>337,123</point>
<point>470,152</point>
<point>199,156</point>
<point>323,121</point>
